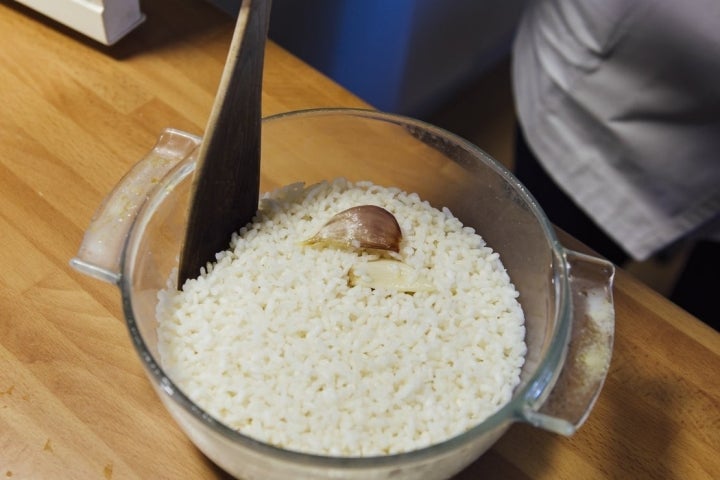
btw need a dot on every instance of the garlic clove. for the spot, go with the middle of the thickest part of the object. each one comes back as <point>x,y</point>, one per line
<point>362,227</point>
<point>389,274</point>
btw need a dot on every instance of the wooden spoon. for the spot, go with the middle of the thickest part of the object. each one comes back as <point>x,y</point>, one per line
<point>226,185</point>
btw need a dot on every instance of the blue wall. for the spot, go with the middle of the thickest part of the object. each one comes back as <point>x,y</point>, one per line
<point>403,56</point>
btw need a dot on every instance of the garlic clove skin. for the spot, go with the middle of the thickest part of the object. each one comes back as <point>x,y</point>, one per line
<point>362,227</point>
<point>389,274</point>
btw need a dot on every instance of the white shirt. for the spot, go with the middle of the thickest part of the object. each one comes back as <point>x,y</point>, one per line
<point>620,101</point>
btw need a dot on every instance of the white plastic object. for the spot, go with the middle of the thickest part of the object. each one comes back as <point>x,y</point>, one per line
<point>105,21</point>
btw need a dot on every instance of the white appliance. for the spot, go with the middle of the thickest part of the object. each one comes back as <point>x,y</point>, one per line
<point>106,21</point>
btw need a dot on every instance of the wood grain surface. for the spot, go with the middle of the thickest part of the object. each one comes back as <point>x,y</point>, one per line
<point>74,400</point>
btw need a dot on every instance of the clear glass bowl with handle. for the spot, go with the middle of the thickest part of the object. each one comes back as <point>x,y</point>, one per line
<point>135,238</point>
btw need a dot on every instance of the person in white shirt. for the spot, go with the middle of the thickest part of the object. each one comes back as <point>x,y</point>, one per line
<point>618,103</point>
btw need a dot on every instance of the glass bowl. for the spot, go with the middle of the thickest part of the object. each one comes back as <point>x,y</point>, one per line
<point>135,237</point>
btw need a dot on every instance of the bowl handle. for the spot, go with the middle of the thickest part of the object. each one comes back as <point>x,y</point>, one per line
<point>589,351</point>
<point>101,248</point>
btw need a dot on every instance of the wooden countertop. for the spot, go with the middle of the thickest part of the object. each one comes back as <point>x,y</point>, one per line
<point>74,400</point>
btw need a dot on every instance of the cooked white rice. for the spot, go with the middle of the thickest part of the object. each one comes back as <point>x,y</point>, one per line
<point>274,343</point>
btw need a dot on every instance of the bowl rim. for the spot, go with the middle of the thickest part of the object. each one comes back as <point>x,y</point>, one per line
<point>527,395</point>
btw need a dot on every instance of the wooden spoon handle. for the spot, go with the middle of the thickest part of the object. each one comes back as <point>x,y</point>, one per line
<point>226,185</point>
